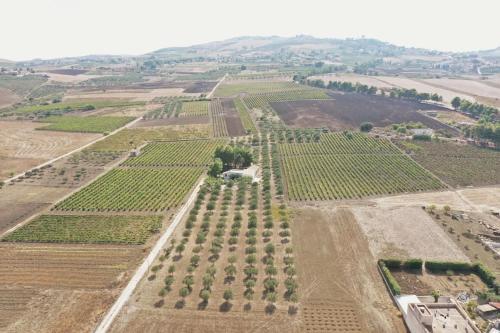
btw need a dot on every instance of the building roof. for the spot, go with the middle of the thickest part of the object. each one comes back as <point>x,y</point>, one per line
<point>486,308</point>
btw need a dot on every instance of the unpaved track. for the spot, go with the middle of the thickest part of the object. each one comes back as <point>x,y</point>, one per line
<point>143,269</point>
<point>216,86</point>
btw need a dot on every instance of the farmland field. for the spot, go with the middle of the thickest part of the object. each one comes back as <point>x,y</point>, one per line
<point>233,122</point>
<point>350,110</point>
<point>93,124</point>
<point>7,98</point>
<point>131,138</point>
<point>245,117</point>
<point>260,101</point>
<point>216,111</point>
<point>346,166</point>
<point>457,165</point>
<point>87,229</point>
<point>150,190</point>
<point>234,88</point>
<point>195,108</point>
<point>180,153</point>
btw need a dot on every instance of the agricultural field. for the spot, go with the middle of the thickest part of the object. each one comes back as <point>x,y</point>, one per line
<point>233,88</point>
<point>92,229</point>
<point>21,85</point>
<point>230,267</point>
<point>348,166</point>
<point>195,108</point>
<point>171,107</point>
<point>246,119</point>
<point>350,110</point>
<point>22,147</point>
<point>7,98</point>
<point>341,288</point>
<point>179,153</point>
<point>217,118</point>
<point>131,138</point>
<point>232,118</point>
<point>262,101</point>
<point>456,164</point>
<point>132,95</point>
<point>137,189</point>
<point>37,280</point>
<point>95,124</point>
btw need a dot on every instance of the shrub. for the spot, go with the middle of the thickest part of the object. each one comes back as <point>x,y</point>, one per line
<point>393,284</point>
<point>437,266</point>
<point>366,127</point>
<point>413,264</point>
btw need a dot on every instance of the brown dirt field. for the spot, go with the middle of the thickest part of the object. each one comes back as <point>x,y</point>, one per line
<point>18,202</point>
<point>341,288</point>
<point>350,110</point>
<point>128,111</point>
<point>68,71</point>
<point>233,121</point>
<point>470,87</point>
<point>406,232</point>
<point>61,288</point>
<point>191,120</point>
<point>66,266</point>
<point>129,94</point>
<point>485,199</point>
<point>28,147</point>
<point>71,79</point>
<point>7,98</point>
<point>200,87</point>
<point>423,283</point>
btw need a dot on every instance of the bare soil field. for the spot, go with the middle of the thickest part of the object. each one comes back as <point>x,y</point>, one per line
<point>60,288</point>
<point>71,79</point>
<point>129,94</point>
<point>200,87</point>
<point>233,121</point>
<point>341,289</point>
<point>7,98</point>
<point>18,202</point>
<point>406,232</point>
<point>348,111</point>
<point>68,71</point>
<point>121,111</point>
<point>471,87</point>
<point>452,117</point>
<point>487,198</point>
<point>28,147</point>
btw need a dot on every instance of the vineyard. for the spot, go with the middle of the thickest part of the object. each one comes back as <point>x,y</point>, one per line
<point>195,108</point>
<point>180,153</point>
<point>457,165</point>
<point>87,229</point>
<point>261,101</point>
<point>235,88</point>
<point>130,138</point>
<point>151,190</point>
<point>346,166</point>
<point>92,124</point>
<point>217,118</point>
<point>246,120</point>
<point>171,107</point>
<point>75,106</point>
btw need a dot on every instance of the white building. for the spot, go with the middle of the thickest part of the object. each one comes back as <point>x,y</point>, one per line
<point>251,172</point>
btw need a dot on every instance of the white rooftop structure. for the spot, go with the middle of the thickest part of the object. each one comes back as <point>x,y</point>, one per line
<point>251,172</point>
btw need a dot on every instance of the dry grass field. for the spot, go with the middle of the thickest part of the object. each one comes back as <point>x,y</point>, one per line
<point>22,147</point>
<point>7,98</point>
<point>341,289</point>
<point>128,94</point>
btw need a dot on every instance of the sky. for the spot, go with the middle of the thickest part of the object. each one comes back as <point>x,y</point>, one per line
<point>59,28</point>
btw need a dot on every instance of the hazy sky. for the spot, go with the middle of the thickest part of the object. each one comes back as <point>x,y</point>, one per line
<point>57,28</point>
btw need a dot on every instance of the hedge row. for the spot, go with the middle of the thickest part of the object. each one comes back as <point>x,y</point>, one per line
<point>393,284</point>
<point>439,266</point>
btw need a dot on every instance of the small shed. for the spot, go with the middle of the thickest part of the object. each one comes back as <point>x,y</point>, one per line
<point>237,173</point>
<point>487,311</point>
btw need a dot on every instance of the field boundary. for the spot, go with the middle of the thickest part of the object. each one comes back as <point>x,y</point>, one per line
<point>216,86</point>
<point>108,319</point>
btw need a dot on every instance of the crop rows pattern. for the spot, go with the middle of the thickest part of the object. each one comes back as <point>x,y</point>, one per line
<point>92,124</point>
<point>346,166</point>
<point>217,119</point>
<point>252,87</point>
<point>169,109</point>
<point>87,229</point>
<point>261,101</point>
<point>246,120</point>
<point>178,153</point>
<point>195,108</point>
<point>137,189</point>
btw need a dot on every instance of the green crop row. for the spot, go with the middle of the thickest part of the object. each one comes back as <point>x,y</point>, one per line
<point>91,124</point>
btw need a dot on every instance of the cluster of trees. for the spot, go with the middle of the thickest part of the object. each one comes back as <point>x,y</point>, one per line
<point>230,156</point>
<point>414,95</point>
<point>349,87</point>
<point>488,131</point>
<point>475,109</point>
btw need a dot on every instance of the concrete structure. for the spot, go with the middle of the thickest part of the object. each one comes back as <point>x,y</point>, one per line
<point>422,131</point>
<point>423,315</point>
<point>487,311</point>
<point>237,173</point>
